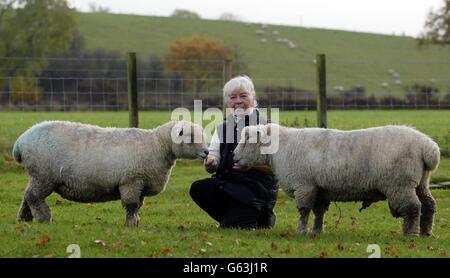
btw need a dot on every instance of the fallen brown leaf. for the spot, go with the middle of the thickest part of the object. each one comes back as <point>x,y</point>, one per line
<point>391,250</point>
<point>340,247</point>
<point>287,251</point>
<point>43,241</point>
<point>412,245</point>
<point>167,252</point>
<point>287,234</point>
<point>323,254</point>
<point>273,246</point>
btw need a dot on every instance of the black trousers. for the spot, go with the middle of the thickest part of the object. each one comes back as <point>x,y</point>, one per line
<point>209,196</point>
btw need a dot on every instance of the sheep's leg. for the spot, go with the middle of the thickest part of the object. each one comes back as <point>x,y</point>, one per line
<point>130,196</point>
<point>427,211</point>
<point>141,203</point>
<point>34,197</point>
<point>302,227</point>
<point>305,197</point>
<point>24,212</point>
<point>320,207</point>
<point>406,204</point>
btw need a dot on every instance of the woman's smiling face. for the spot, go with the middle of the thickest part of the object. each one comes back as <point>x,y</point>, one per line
<point>240,99</point>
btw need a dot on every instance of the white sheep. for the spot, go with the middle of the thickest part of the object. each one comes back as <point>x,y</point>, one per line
<point>317,166</point>
<point>291,45</point>
<point>87,163</point>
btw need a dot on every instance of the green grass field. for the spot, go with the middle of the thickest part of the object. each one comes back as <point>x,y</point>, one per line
<point>352,58</point>
<point>173,226</point>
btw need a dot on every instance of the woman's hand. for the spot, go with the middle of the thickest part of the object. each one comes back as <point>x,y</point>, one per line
<point>211,163</point>
<point>265,169</point>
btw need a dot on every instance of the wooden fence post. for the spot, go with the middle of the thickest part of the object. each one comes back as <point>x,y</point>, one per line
<point>227,74</point>
<point>322,91</point>
<point>132,91</point>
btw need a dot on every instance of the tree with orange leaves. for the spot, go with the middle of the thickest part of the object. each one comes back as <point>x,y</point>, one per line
<point>196,59</point>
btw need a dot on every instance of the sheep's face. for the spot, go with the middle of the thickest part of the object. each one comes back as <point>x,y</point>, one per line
<point>248,152</point>
<point>189,141</point>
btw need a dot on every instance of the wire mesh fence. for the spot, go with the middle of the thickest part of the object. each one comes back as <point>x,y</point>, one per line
<point>69,84</point>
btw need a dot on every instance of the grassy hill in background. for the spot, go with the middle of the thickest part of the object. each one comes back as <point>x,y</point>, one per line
<point>353,59</point>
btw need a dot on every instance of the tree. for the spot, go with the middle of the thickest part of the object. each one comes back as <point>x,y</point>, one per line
<point>437,26</point>
<point>229,17</point>
<point>94,8</point>
<point>197,58</point>
<point>35,29</point>
<point>185,14</point>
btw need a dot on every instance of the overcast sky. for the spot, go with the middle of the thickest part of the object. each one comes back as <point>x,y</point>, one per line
<point>375,16</point>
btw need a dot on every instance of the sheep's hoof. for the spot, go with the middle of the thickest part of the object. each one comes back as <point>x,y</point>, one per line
<point>302,232</point>
<point>24,219</point>
<point>316,232</point>
<point>131,224</point>
<point>426,234</point>
<point>411,234</point>
<point>45,221</point>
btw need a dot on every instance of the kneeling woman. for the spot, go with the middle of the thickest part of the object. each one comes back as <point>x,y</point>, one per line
<point>233,197</point>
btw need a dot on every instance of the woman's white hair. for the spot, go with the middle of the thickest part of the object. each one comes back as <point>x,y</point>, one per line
<point>243,83</point>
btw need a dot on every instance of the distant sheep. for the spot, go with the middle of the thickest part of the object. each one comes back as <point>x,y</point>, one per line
<point>317,166</point>
<point>291,45</point>
<point>86,163</point>
<point>282,40</point>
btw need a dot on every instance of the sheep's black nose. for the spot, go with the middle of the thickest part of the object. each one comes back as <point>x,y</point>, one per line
<point>206,152</point>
